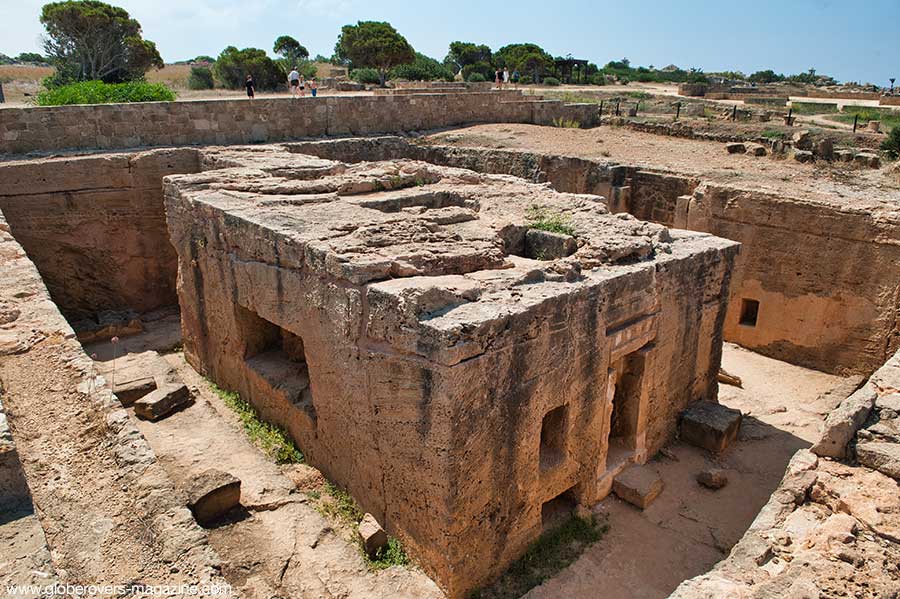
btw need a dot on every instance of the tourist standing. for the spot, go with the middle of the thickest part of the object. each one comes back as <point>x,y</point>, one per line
<point>515,79</point>
<point>497,82</point>
<point>294,82</point>
<point>313,87</point>
<point>302,86</point>
<point>505,76</point>
<point>250,85</point>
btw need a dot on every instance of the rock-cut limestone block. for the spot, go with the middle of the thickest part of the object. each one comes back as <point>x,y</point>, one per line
<point>212,494</point>
<point>710,425</point>
<point>372,535</point>
<point>638,485</point>
<point>162,402</point>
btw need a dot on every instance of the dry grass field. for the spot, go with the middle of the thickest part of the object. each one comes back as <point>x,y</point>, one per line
<point>20,82</point>
<point>173,75</point>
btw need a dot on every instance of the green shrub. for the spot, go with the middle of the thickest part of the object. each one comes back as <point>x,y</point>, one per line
<point>891,145</point>
<point>526,79</point>
<point>423,68</point>
<point>97,92</point>
<point>598,79</point>
<point>485,69</point>
<point>546,220</point>
<point>200,78</point>
<point>773,134</point>
<point>476,78</point>
<point>551,81</point>
<point>233,65</point>
<point>368,76</point>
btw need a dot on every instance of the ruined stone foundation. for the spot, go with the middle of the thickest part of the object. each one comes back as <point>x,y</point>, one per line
<point>468,376</point>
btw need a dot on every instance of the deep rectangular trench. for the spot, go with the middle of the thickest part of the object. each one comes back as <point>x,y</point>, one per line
<point>76,276</point>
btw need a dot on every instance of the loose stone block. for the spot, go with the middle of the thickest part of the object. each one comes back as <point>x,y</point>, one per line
<point>735,148</point>
<point>713,478</point>
<point>213,494</point>
<point>372,535</point>
<point>162,401</point>
<point>638,485</point>
<point>129,391</point>
<point>710,425</point>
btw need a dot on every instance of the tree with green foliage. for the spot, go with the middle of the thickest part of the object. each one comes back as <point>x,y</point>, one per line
<point>33,57</point>
<point>527,58</point>
<point>91,40</point>
<point>767,76</point>
<point>423,68</point>
<point>290,50</point>
<point>373,44</point>
<point>233,65</point>
<point>891,145</point>
<point>463,54</point>
<point>200,78</point>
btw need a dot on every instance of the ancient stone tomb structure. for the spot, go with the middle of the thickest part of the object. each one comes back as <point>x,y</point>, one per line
<point>467,375</point>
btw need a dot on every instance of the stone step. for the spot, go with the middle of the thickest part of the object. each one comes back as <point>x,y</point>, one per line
<point>638,485</point>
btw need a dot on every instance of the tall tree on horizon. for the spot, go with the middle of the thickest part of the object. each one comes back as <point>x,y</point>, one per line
<point>88,39</point>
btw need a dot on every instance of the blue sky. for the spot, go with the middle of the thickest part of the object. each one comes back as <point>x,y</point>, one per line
<point>849,40</point>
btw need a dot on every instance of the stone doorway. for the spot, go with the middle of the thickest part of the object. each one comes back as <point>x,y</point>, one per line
<point>626,412</point>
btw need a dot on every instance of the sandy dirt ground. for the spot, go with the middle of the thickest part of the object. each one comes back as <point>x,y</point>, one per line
<point>645,555</point>
<point>281,544</point>
<point>827,182</point>
<point>278,545</point>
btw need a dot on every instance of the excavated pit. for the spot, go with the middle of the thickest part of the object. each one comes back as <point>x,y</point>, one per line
<point>345,295</point>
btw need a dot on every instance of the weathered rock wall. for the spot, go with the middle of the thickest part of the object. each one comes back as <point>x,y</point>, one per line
<point>825,276</point>
<point>117,126</point>
<point>110,513</point>
<point>95,227</point>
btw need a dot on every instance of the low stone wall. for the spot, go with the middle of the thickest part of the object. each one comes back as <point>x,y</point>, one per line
<point>209,122</point>
<point>95,227</point>
<point>889,100</point>
<point>816,93</point>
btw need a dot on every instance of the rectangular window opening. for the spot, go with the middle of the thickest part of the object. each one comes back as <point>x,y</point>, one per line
<point>553,437</point>
<point>558,510</point>
<point>749,312</point>
<point>278,356</point>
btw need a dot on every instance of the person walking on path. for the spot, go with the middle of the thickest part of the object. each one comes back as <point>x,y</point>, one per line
<point>505,76</point>
<point>294,82</point>
<point>250,85</point>
<point>515,79</point>
<point>498,82</point>
<point>302,86</point>
<point>313,87</point>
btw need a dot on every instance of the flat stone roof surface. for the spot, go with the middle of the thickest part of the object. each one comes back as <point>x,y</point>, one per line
<point>379,220</point>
